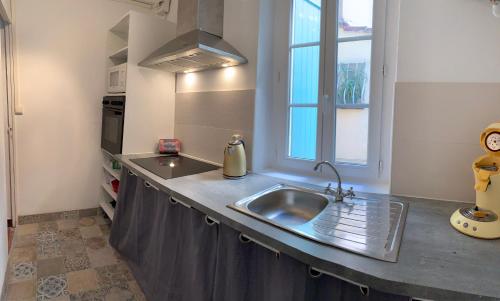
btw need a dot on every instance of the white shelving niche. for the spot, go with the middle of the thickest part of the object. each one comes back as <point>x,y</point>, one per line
<point>109,174</point>
<point>150,93</point>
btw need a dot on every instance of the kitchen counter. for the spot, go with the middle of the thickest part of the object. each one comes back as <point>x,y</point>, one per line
<point>435,261</point>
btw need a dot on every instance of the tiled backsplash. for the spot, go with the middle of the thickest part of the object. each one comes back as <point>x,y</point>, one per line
<point>205,121</point>
<point>436,137</point>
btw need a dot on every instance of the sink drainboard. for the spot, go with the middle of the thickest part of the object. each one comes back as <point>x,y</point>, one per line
<point>370,227</point>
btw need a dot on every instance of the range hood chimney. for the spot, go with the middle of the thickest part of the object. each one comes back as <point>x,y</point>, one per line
<point>199,44</point>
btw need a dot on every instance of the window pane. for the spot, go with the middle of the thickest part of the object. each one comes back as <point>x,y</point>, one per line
<point>355,18</point>
<point>305,75</point>
<point>352,100</point>
<point>351,141</point>
<point>306,21</point>
<point>353,73</point>
<point>303,124</point>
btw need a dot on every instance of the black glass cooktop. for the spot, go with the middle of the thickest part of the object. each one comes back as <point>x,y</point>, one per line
<point>169,167</point>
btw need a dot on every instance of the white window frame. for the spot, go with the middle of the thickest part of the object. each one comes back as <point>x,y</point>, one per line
<point>326,104</point>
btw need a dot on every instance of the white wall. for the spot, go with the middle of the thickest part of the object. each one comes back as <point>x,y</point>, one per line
<point>448,41</point>
<point>447,91</point>
<point>264,93</point>
<point>150,105</point>
<point>61,72</point>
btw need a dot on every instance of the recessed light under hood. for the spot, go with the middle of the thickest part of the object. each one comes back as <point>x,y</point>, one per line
<point>199,44</point>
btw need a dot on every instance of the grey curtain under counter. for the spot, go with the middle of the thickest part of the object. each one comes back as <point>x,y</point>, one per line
<point>176,256</point>
<point>169,247</point>
<point>248,271</point>
<point>124,230</point>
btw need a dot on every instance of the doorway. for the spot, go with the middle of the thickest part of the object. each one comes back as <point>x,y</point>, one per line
<point>7,139</point>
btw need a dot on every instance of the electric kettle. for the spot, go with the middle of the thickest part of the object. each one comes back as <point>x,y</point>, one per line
<point>235,162</point>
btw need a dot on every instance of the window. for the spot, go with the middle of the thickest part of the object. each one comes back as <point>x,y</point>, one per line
<point>335,79</point>
<point>304,79</point>
<point>354,52</point>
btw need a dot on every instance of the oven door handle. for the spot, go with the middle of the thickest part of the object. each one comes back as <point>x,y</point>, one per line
<point>108,110</point>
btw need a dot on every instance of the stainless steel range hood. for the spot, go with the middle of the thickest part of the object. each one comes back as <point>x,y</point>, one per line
<point>199,44</point>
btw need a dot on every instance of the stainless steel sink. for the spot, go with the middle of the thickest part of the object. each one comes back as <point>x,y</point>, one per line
<point>288,206</point>
<point>371,227</point>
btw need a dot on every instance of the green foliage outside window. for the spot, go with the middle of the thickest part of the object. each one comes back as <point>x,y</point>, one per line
<point>351,83</point>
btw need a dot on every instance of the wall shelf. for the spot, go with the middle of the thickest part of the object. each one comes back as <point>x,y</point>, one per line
<point>121,28</point>
<point>110,191</point>
<point>112,172</point>
<point>108,209</point>
<point>120,54</point>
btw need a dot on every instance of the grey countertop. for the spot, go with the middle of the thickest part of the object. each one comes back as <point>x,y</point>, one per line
<point>435,261</point>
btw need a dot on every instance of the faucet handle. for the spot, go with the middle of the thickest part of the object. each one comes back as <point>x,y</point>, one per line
<point>350,193</point>
<point>329,189</point>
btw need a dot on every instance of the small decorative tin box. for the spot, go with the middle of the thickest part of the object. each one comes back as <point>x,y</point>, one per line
<point>169,146</point>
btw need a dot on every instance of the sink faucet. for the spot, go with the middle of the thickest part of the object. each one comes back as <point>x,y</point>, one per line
<point>339,193</point>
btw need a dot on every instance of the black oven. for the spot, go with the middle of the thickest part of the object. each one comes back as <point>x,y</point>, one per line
<point>113,112</point>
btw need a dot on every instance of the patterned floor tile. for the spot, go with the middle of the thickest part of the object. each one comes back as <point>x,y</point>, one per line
<point>50,267</point>
<point>24,254</point>
<point>66,224</point>
<point>119,294</point>
<point>91,231</point>
<point>44,237</point>
<point>69,234</point>
<point>28,240</point>
<point>136,290</point>
<point>101,220</point>
<point>119,257</point>
<point>76,262</point>
<point>67,256</point>
<point>113,275</point>
<point>51,287</point>
<point>72,247</point>
<point>105,229</point>
<point>21,291</point>
<point>91,295</point>
<point>61,298</point>
<point>87,221</point>
<point>113,293</point>
<point>81,281</point>
<point>26,229</point>
<point>48,226</point>
<point>102,257</point>
<point>22,271</point>
<point>95,243</point>
<point>48,250</point>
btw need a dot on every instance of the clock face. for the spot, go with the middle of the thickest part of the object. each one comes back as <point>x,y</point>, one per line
<point>493,141</point>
